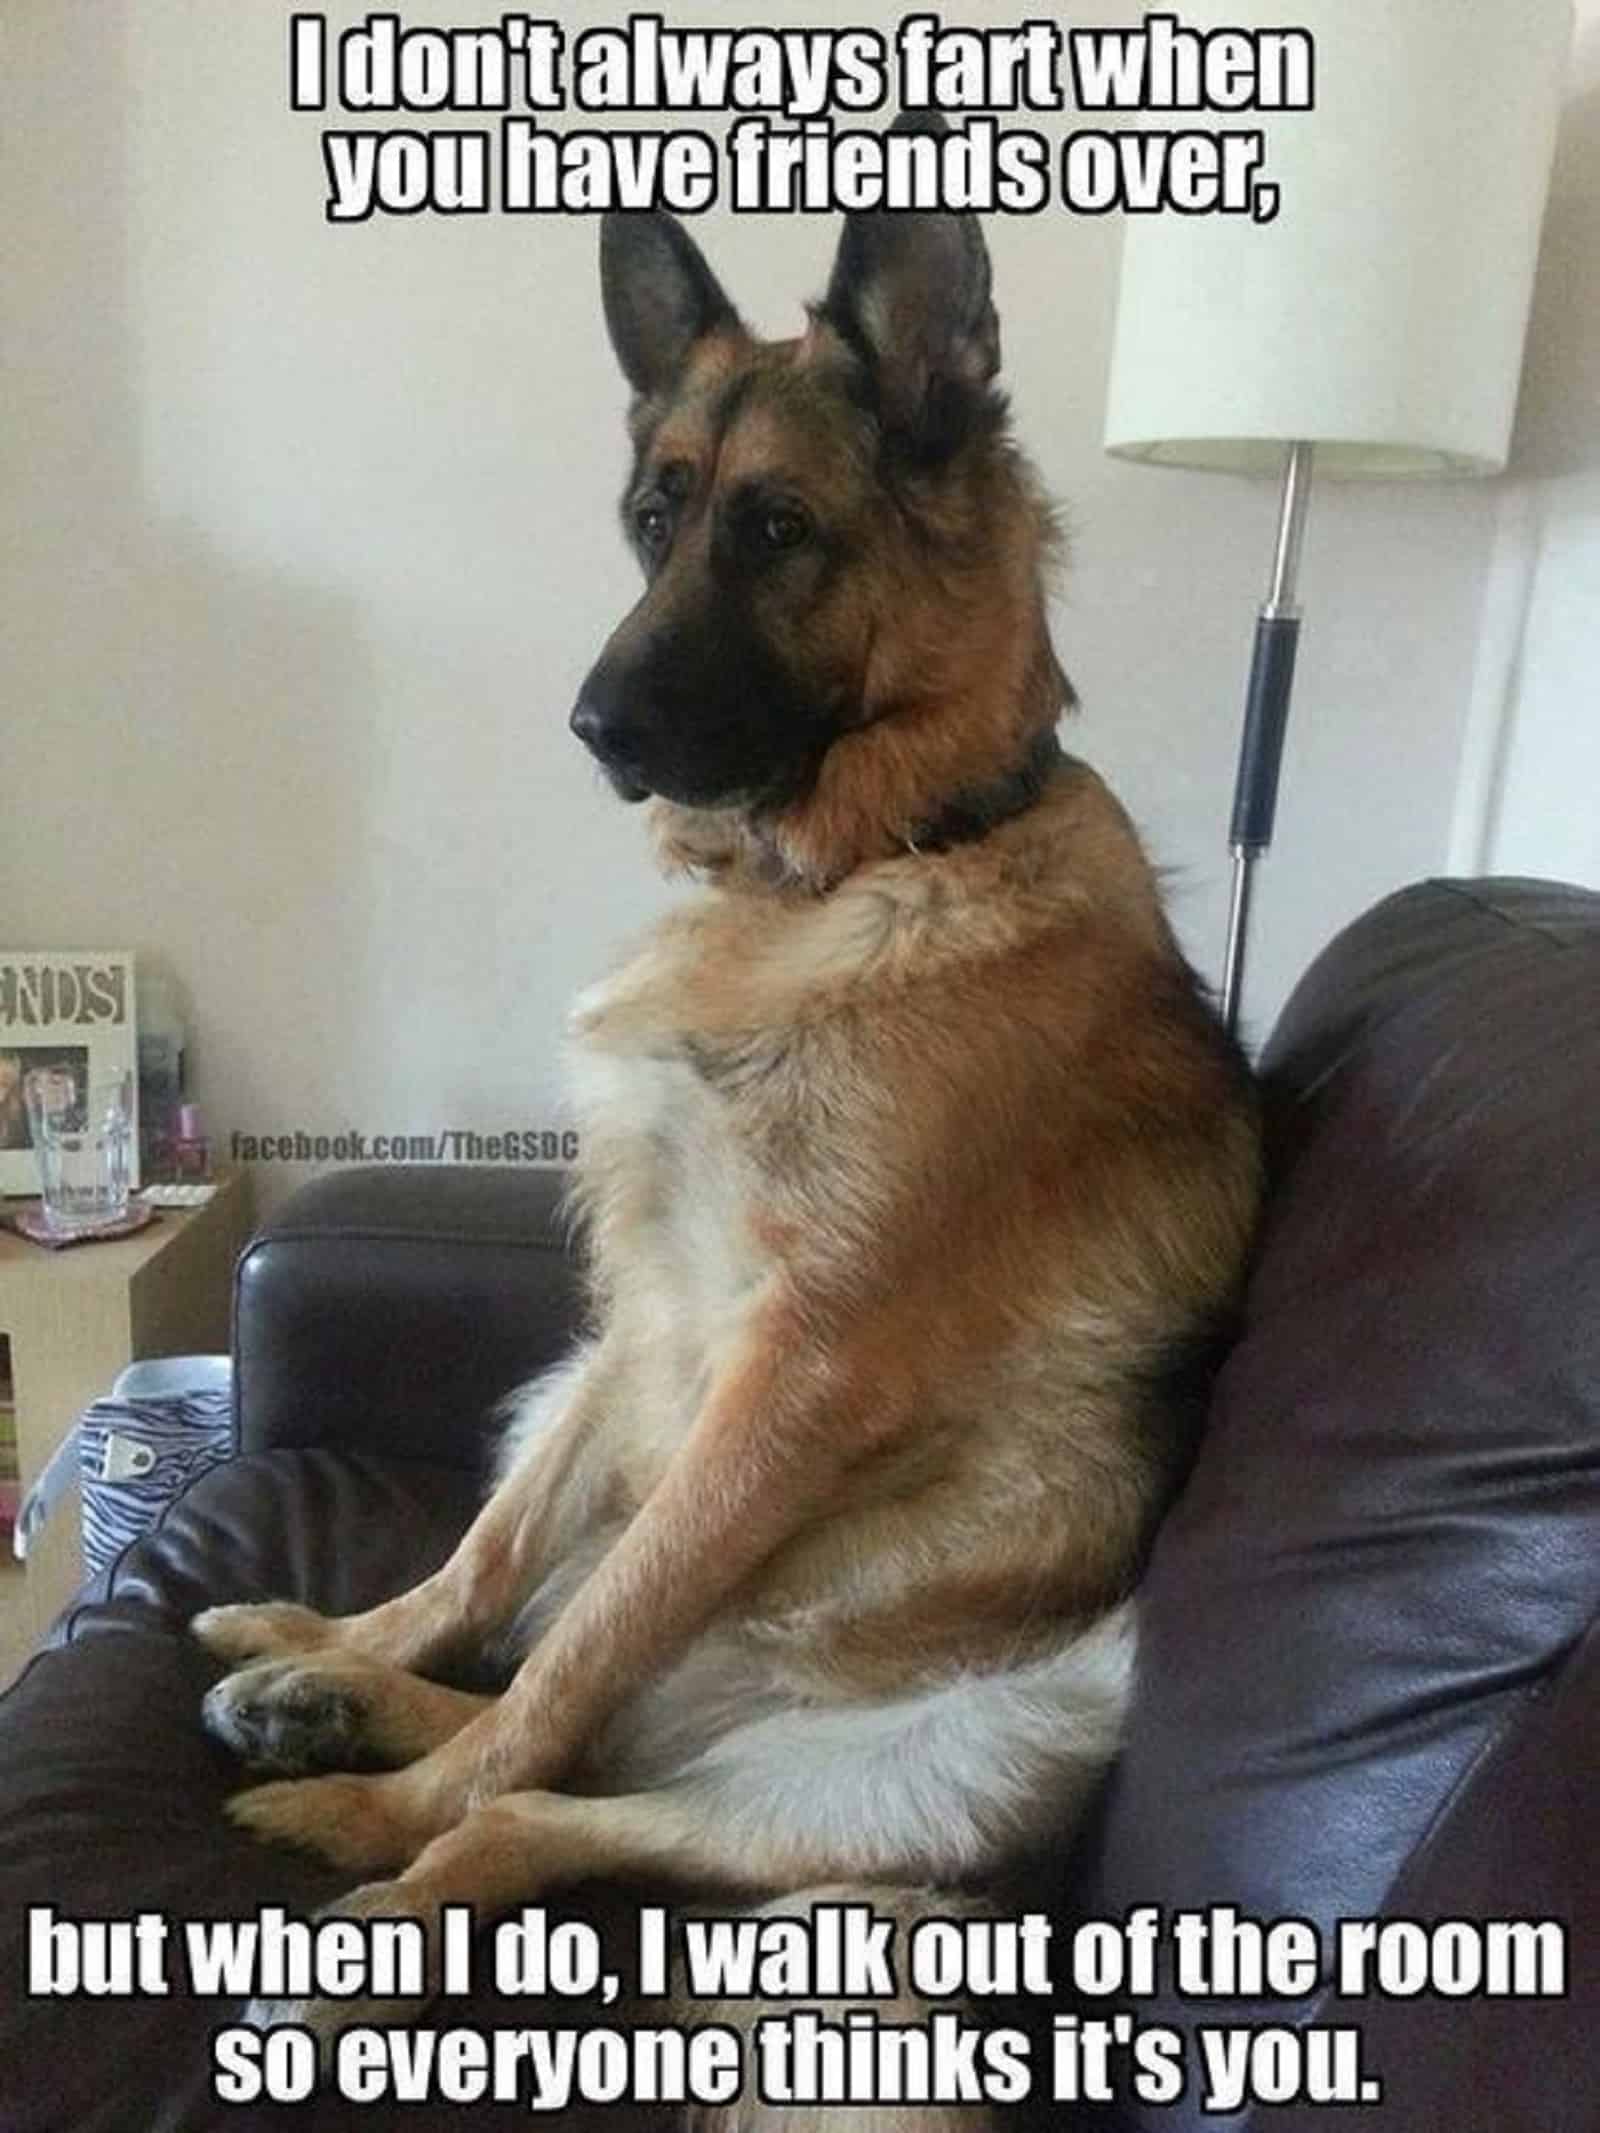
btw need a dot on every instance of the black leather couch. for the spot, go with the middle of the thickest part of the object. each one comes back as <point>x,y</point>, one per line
<point>1370,1682</point>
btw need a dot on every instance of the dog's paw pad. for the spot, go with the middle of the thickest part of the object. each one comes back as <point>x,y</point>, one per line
<point>283,1714</point>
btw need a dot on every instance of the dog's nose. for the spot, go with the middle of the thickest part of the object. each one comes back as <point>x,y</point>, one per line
<point>605,733</point>
<point>603,725</point>
<point>588,722</point>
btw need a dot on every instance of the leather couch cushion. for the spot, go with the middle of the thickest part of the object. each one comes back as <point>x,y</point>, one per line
<point>111,1795</point>
<point>1392,1535</point>
<point>1517,1839</point>
<point>391,1310</point>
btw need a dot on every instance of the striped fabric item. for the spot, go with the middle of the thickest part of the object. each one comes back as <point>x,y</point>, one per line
<point>136,1455</point>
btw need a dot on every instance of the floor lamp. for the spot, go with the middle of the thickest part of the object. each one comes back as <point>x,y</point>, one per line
<point>1374,328</point>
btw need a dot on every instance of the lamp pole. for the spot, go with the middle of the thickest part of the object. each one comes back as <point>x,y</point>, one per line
<point>1266,717</point>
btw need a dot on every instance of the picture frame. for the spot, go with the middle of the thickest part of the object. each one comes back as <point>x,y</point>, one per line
<point>62,1013</point>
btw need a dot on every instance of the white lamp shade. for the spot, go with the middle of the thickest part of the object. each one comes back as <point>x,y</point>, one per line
<point>1382,315</point>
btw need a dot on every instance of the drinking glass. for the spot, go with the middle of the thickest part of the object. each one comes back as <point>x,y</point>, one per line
<point>82,1132</point>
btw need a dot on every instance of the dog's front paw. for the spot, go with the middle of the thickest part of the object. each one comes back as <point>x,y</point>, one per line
<point>361,1823</point>
<point>270,1630</point>
<point>291,1715</point>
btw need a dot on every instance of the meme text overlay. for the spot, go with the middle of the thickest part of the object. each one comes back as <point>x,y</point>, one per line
<point>814,2027</point>
<point>806,131</point>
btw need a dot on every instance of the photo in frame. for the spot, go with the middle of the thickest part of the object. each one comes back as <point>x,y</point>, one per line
<point>61,1015</point>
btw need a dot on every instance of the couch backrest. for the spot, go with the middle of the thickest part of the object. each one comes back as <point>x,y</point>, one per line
<point>1357,1680</point>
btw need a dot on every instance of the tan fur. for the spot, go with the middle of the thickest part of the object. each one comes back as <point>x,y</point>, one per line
<point>904,1174</point>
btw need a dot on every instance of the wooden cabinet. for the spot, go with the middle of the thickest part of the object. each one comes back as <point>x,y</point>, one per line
<point>72,1320</point>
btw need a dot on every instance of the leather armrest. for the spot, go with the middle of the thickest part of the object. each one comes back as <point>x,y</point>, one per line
<point>391,1310</point>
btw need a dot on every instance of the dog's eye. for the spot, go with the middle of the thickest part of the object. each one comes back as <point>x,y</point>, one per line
<point>783,527</point>
<point>652,522</point>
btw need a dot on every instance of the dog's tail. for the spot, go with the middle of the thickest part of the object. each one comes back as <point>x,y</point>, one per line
<point>947,1783</point>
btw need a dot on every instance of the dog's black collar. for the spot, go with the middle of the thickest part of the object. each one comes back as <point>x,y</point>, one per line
<point>972,814</point>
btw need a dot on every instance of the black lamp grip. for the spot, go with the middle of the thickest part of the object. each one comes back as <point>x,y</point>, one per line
<point>1266,719</point>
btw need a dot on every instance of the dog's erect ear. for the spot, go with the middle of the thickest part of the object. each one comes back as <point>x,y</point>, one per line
<point>660,296</point>
<point>910,292</point>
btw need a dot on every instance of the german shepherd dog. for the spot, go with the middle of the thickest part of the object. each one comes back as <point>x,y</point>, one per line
<point>913,1160</point>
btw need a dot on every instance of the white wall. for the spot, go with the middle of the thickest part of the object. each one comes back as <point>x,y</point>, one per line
<point>1529,800</point>
<point>311,539</point>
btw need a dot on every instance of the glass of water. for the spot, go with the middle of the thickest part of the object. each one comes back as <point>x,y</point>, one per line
<point>82,1133</point>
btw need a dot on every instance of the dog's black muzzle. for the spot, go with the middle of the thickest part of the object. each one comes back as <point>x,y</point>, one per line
<point>707,722</point>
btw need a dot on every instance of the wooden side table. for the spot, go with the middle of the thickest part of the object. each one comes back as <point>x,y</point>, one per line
<point>73,1320</point>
